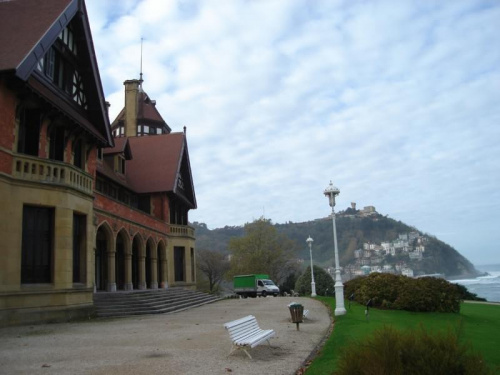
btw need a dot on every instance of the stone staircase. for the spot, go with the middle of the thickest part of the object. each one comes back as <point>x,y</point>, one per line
<point>140,302</point>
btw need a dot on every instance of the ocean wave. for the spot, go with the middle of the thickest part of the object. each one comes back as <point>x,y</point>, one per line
<point>492,278</point>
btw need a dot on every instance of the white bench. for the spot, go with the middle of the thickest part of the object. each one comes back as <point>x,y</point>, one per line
<point>245,332</point>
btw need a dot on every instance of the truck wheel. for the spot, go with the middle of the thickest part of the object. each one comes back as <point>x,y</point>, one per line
<point>275,295</point>
<point>244,295</point>
<point>264,293</point>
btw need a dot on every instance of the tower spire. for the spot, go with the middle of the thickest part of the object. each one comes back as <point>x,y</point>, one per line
<point>140,75</point>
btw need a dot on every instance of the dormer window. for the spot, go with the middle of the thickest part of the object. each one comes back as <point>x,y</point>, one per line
<point>150,130</point>
<point>119,132</point>
<point>120,164</point>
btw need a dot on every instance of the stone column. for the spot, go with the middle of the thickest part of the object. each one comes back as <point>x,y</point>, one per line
<point>164,272</point>
<point>111,284</point>
<point>154,273</point>
<point>63,248</point>
<point>142,272</point>
<point>128,272</point>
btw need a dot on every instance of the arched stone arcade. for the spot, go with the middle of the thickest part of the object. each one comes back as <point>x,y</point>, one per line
<point>124,262</point>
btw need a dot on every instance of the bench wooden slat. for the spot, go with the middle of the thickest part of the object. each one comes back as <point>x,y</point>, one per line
<point>246,333</point>
<point>252,337</point>
<point>246,319</point>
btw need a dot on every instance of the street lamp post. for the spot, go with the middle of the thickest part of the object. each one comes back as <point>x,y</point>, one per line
<point>313,284</point>
<point>331,192</point>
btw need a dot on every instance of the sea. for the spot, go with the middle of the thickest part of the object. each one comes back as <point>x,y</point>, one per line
<point>487,286</point>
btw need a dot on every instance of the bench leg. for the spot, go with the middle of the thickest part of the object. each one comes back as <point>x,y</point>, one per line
<point>235,347</point>
<point>248,354</point>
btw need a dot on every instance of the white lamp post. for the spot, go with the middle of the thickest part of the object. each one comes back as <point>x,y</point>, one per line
<point>313,284</point>
<point>331,192</point>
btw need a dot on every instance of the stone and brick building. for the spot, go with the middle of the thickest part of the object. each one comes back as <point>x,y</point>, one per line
<point>144,190</point>
<point>81,212</point>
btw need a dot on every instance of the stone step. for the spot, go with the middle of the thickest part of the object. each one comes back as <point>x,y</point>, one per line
<point>127,303</point>
<point>142,296</point>
<point>147,305</point>
<point>170,309</point>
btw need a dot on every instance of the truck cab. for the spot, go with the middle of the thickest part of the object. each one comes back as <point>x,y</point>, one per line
<point>266,286</point>
<point>255,285</point>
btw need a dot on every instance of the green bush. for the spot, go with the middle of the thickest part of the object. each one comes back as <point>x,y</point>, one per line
<point>414,352</point>
<point>387,291</point>
<point>322,280</point>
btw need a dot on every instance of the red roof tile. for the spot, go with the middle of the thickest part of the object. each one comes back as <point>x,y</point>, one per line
<point>147,110</point>
<point>156,162</point>
<point>121,145</point>
<point>107,171</point>
<point>23,23</point>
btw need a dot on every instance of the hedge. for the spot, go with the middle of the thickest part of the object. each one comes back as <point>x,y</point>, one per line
<point>388,291</point>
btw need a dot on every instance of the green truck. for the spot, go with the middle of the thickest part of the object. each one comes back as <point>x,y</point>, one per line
<point>255,285</point>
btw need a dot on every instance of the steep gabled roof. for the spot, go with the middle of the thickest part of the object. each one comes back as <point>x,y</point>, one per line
<point>147,113</point>
<point>159,161</point>
<point>28,28</point>
<point>122,145</point>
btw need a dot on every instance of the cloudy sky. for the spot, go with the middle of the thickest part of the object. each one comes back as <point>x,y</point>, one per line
<point>397,102</point>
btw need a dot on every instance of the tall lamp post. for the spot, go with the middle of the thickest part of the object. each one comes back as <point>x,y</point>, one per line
<point>331,192</point>
<point>313,284</point>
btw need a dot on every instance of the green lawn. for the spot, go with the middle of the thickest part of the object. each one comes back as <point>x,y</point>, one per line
<point>476,324</point>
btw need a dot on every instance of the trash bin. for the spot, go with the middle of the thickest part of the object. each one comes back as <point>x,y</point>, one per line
<point>297,313</point>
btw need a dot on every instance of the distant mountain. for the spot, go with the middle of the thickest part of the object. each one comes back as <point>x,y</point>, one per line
<point>360,236</point>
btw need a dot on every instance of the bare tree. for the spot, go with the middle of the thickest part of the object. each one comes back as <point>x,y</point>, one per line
<point>213,265</point>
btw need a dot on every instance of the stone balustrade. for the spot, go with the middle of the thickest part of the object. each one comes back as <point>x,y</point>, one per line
<point>181,230</point>
<point>51,172</point>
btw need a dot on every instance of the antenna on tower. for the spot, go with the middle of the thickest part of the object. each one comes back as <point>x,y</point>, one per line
<point>140,79</point>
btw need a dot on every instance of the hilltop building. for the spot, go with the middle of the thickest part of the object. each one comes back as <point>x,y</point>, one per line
<point>81,212</point>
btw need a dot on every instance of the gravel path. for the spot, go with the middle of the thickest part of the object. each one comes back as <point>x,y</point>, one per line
<point>188,342</point>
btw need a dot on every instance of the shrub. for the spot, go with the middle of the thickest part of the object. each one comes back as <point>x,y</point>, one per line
<point>322,280</point>
<point>415,352</point>
<point>403,293</point>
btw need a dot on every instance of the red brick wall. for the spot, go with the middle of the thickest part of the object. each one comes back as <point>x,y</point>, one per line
<point>43,150</point>
<point>7,116</point>
<point>121,210</point>
<point>7,126</point>
<point>92,161</point>
<point>156,206</point>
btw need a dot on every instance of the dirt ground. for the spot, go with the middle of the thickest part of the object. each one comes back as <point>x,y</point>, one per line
<point>189,342</point>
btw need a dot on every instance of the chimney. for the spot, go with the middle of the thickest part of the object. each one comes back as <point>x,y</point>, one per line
<point>131,106</point>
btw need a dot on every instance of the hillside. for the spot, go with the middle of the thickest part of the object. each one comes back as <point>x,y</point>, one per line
<point>360,239</point>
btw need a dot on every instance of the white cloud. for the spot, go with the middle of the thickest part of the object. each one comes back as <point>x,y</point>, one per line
<point>396,101</point>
